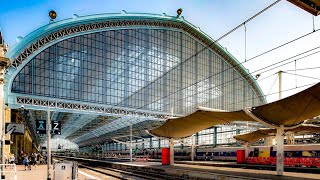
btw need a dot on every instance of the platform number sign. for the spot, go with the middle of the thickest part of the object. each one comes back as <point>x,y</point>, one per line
<point>56,127</point>
<point>41,127</point>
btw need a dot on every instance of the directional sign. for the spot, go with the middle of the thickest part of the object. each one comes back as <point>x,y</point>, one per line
<point>41,127</point>
<point>14,128</point>
<point>56,127</point>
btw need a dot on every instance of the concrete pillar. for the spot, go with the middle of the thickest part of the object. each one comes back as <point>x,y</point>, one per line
<point>130,143</point>
<point>192,152</point>
<point>246,150</point>
<point>171,142</point>
<point>280,151</point>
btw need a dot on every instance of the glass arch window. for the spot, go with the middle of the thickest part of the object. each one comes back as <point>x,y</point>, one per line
<point>147,69</point>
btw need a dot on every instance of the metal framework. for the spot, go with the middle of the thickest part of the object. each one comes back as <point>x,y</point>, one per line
<point>130,69</point>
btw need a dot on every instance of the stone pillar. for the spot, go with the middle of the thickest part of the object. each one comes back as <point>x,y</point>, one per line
<point>280,151</point>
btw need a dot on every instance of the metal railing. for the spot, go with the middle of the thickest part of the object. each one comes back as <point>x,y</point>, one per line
<point>8,171</point>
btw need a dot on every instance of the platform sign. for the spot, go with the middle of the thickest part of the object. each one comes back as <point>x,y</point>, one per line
<point>15,128</point>
<point>41,127</point>
<point>56,127</point>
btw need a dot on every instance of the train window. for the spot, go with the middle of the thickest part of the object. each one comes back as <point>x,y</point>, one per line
<point>294,154</point>
<point>317,154</point>
<point>288,154</point>
<point>256,152</point>
<point>233,154</point>
<point>251,154</point>
<point>216,153</point>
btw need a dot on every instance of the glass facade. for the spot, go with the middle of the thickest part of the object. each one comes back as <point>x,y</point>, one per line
<point>147,69</point>
<point>158,70</point>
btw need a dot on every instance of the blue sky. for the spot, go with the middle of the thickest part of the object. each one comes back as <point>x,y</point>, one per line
<point>280,24</point>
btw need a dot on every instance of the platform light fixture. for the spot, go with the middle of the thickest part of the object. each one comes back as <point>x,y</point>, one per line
<point>179,12</point>
<point>52,15</point>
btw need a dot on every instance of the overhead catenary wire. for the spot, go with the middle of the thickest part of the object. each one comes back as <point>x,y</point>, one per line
<point>302,76</point>
<point>274,82</point>
<point>266,77</point>
<point>223,36</point>
<point>302,69</point>
<point>245,42</point>
<point>282,45</point>
<point>249,74</point>
<point>270,94</point>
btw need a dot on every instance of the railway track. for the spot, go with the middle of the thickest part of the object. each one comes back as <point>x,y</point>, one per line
<point>124,171</point>
<point>125,175</point>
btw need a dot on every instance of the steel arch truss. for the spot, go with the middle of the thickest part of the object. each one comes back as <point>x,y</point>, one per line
<point>79,107</point>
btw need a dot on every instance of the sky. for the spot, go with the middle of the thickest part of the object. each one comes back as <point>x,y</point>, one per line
<point>278,25</point>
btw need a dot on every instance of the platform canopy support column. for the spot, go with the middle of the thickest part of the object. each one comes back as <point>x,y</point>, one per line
<point>246,150</point>
<point>171,142</point>
<point>192,152</point>
<point>280,151</point>
<point>130,142</point>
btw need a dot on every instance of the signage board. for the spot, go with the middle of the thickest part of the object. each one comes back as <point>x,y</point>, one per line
<point>41,127</point>
<point>56,127</point>
<point>15,128</point>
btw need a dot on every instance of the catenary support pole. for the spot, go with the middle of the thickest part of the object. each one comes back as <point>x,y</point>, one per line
<point>48,145</point>
<point>130,143</point>
<point>280,84</point>
<point>171,151</point>
<point>280,151</point>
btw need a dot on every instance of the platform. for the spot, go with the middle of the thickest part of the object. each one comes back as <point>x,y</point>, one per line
<point>188,170</point>
<point>41,173</point>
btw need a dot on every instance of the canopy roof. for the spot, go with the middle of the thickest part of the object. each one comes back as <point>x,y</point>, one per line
<point>201,119</point>
<point>290,111</point>
<point>262,133</point>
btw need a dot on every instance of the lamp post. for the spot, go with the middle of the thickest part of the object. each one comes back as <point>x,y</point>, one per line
<point>48,145</point>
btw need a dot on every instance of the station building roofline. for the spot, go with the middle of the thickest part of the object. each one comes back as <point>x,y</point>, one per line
<point>30,43</point>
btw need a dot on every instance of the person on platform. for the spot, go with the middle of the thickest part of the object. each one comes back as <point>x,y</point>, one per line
<point>25,162</point>
<point>33,161</point>
<point>21,158</point>
<point>11,159</point>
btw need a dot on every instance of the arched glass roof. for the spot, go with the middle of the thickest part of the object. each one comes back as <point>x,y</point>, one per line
<point>101,73</point>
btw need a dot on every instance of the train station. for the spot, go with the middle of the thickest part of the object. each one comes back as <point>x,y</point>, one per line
<point>130,95</point>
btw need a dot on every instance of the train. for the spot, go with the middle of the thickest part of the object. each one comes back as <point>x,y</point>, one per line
<point>294,155</point>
